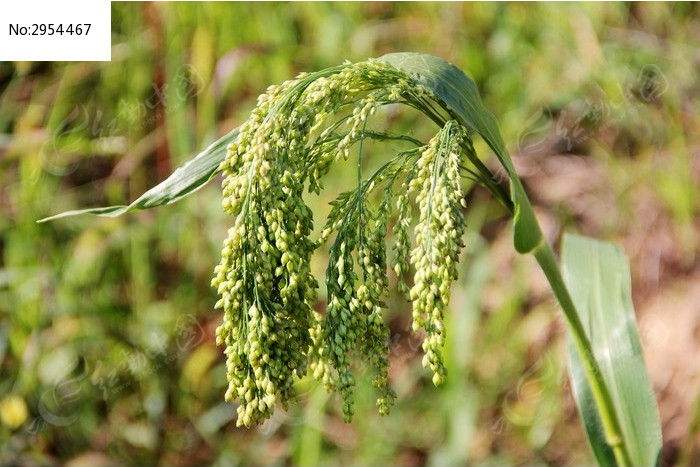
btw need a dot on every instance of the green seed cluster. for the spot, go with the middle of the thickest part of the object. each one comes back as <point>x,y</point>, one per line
<point>438,240</point>
<point>267,290</point>
<point>353,322</point>
<point>270,328</point>
<point>402,242</point>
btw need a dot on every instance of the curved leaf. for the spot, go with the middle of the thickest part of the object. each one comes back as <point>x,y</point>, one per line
<point>461,96</point>
<point>597,275</point>
<point>446,81</point>
<point>183,181</point>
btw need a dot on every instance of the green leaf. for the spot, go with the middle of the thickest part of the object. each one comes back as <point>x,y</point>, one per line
<point>461,96</point>
<point>597,275</point>
<point>447,82</point>
<point>185,180</point>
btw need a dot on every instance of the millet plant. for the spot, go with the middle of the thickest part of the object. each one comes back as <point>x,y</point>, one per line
<point>272,333</point>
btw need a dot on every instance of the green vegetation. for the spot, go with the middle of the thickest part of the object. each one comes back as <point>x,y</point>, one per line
<point>134,359</point>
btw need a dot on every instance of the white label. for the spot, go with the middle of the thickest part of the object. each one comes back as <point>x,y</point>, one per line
<point>65,30</point>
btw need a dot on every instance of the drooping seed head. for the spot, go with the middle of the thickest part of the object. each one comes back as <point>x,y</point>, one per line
<point>270,328</point>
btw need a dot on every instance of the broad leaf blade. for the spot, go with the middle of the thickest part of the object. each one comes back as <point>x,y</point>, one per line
<point>598,277</point>
<point>461,95</point>
<point>589,410</point>
<point>184,181</point>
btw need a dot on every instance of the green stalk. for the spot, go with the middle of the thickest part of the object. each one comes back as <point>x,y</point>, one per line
<point>535,243</point>
<point>522,210</point>
<point>545,257</point>
<point>611,425</point>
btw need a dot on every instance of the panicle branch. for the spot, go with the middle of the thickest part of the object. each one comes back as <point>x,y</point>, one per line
<point>270,328</point>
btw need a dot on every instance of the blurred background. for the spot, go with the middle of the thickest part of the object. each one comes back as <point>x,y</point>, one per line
<point>107,353</point>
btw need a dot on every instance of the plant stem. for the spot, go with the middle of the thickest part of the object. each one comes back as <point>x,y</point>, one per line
<point>606,409</point>
<point>611,425</point>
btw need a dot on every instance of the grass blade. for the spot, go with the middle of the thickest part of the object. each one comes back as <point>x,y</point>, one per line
<point>598,277</point>
<point>182,182</point>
